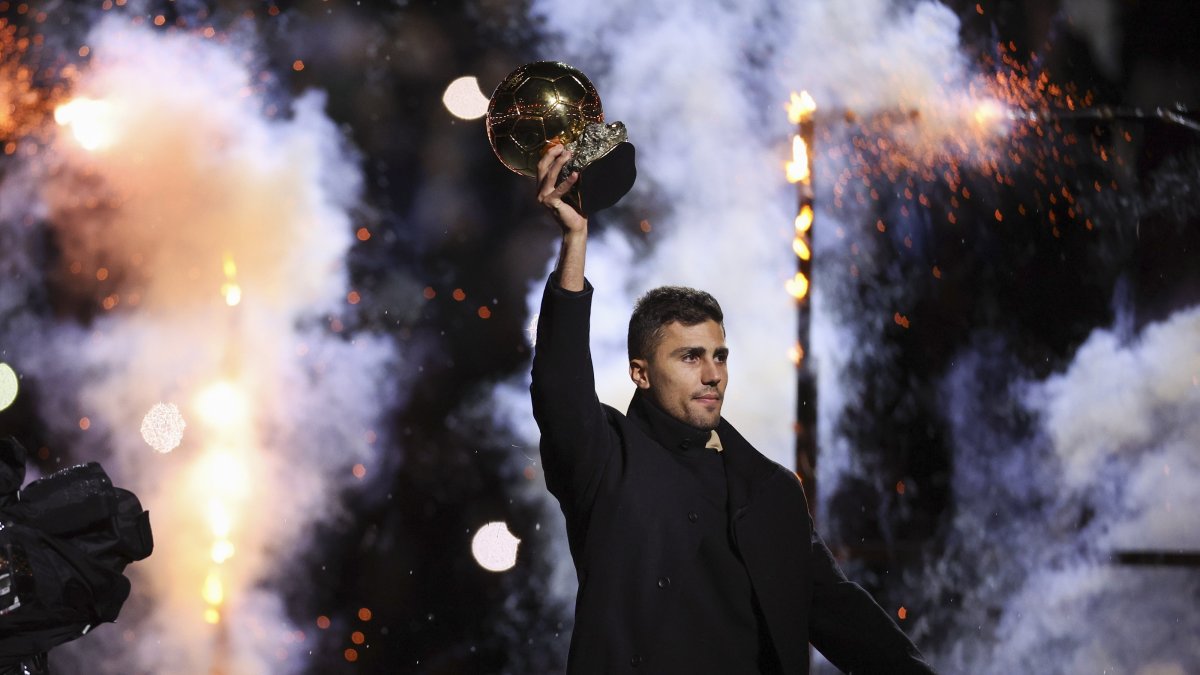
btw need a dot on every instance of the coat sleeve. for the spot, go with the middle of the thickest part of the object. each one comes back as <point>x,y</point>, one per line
<point>850,629</point>
<point>578,442</point>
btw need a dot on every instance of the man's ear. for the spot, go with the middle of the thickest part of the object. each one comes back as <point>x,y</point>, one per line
<point>639,372</point>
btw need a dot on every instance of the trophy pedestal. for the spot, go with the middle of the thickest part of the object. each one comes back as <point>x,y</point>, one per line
<point>604,181</point>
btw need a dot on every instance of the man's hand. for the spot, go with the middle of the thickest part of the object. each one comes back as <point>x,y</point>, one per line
<point>550,192</point>
<point>574,225</point>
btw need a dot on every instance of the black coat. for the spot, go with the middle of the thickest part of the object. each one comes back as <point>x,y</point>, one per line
<point>627,505</point>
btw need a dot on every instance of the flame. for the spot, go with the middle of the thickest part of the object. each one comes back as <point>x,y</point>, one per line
<point>222,550</point>
<point>801,249</point>
<point>796,354</point>
<point>991,116</point>
<point>221,405</point>
<point>91,122</point>
<point>231,290</point>
<point>219,519</point>
<point>213,591</point>
<point>798,170</point>
<point>804,220</point>
<point>797,286</point>
<point>226,412</point>
<point>801,107</point>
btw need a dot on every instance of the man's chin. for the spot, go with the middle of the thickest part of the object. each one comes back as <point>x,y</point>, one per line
<point>706,421</point>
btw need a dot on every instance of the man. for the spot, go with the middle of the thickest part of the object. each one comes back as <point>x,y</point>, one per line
<point>694,552</point>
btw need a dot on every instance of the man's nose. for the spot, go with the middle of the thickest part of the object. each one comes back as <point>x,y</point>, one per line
<point>710,374</point>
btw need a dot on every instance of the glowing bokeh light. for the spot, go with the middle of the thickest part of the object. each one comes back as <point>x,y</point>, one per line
<point>91,122</point>
<point>8,385</point>
<point>162,427</point>
<point>464,99</point>
<point>214,590</point>
<point>494,547</point>
<point>232,293</point>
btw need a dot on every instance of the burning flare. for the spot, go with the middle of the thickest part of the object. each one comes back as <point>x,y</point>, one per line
<point>231,290</point>
<point>226,412</point>
<point>797,286</point>
<point>798,170</point>
<point>801,107</point>
<point>91,122</point>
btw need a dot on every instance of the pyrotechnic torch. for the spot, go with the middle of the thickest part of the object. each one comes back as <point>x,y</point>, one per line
<point>227,413</point>
<point>799,172</point>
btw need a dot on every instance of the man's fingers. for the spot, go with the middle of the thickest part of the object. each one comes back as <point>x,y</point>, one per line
<point>548,158</point>
<point>551,191</point>
<point>549,168</point>
<point>565,186</point>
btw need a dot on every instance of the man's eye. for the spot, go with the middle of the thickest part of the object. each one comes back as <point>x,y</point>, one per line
<point>689,358</point>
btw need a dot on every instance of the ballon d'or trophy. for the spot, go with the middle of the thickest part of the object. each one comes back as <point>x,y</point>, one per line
<point>549,102</point>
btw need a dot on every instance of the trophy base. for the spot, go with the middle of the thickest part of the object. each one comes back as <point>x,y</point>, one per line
<point>605,181</point>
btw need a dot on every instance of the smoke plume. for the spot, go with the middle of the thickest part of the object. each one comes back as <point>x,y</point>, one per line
<point>204,225</point>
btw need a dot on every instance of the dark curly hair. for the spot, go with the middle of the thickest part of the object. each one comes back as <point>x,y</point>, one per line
<point>662,305</point>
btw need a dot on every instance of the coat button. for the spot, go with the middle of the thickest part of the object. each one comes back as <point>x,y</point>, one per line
<point>663,582</point>
<point>636,661</point>
<point>693,516</point>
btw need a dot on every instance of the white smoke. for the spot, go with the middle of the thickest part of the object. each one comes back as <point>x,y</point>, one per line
<point>1126,413</point>
<point>1041,525</point>
<point>183,183</point>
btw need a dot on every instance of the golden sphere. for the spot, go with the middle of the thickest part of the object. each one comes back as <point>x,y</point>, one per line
<point>538,104</point>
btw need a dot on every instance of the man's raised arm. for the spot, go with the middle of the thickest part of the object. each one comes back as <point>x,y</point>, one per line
<point>574,225</point>
<point>577,442</point>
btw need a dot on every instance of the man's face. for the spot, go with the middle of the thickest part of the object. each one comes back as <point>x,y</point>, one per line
<point>687,374</point>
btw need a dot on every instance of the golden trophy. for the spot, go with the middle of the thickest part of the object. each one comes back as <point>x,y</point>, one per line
<point>549,102</point>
